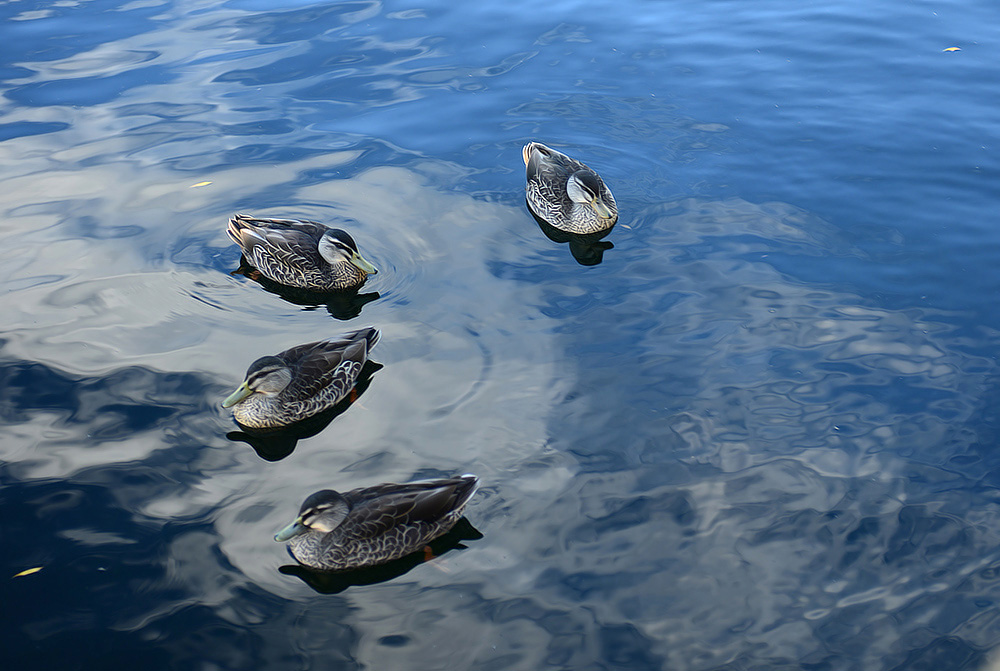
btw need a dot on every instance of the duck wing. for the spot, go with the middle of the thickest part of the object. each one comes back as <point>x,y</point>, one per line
<point>547,172</point>
<point>241,222</point>
<point>329,366</point>
<point>378,510</point>
<point>284,242</point>
<point>548,165</point>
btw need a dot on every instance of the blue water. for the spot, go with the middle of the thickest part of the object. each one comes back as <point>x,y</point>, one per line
<point>757,431</point>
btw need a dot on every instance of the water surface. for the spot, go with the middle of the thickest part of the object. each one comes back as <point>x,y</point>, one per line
<point>759,434</point>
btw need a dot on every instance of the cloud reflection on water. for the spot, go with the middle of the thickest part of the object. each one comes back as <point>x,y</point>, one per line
<point>778,459</point>
<point>756,438</point>
<point>704,453</point>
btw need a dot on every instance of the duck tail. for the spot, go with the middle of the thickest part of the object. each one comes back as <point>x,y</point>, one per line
<point>465,490</point>
<point>371,334</point>
<point>529,149</point>
<point>237,224</point>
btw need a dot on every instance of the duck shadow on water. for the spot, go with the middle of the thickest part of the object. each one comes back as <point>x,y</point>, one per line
<point>276,444</point>
<point>334,582</point>
<point>342,305</point>
<point>588,250</point>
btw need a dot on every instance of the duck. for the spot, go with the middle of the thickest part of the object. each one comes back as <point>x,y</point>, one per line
<point>565,193</point>
<point>375,525</point>
<point>300,382</point>
<point>301,253</point>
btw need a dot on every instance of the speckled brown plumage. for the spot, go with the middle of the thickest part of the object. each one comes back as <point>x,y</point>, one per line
<point>322,373</point>
<point>547,172</point>
<point>381,523</point>
<point>286,251</point>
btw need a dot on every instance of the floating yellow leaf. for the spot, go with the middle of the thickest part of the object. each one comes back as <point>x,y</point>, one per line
<point>28,571</point>
<point>195,186</point>
<point>953,49</point>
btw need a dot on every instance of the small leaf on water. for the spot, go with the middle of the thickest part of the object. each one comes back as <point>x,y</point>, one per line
<point>195,186</point>
<point>28,571</point>
<point>953,49</point>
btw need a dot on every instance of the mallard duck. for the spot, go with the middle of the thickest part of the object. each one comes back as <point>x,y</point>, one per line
<point>374,525</point>
<point>565,193</point>
<point>298,383</point>
<point>300,253</point>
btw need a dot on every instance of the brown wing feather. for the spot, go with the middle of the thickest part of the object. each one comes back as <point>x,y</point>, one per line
<point>271,244</point>
<point>408,505</point>
<point>333,363</point>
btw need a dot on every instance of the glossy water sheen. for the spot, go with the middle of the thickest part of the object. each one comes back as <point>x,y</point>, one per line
<point>760,434</point>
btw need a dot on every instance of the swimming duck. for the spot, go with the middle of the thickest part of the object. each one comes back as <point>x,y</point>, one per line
<point>298,383</point>
<point>565,193</point>
<point>301,253</point>
<point>375,525</point>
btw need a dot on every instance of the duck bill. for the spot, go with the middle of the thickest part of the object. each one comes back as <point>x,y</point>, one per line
<point>291,531</point>
<point>362,263</point>
<point>602,210</point>
<point>237,396</point>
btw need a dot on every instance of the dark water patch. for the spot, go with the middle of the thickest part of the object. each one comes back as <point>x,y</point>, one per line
<point>263,127</point>
<point>164,110</point>
<point>13,72</point>
<point>300,24</point>
<point>64,31</point>
<point>88,91</point>
<point>943,652</point>
<point>113,406</point>
<point>101,568</point>
<point>9,131</point>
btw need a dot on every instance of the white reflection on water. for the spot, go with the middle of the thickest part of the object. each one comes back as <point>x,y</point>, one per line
<point>457,394</point>
<point>750,464</point>
<point>749,461</point>
<point>687,454</point>
<point>776,475</point>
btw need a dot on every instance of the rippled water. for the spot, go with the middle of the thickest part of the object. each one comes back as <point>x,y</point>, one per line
<point>757,432</point>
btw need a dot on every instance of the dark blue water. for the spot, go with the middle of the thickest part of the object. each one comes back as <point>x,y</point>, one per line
<point>760,433</point>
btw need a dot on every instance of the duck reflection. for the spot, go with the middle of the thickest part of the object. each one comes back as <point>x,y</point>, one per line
<point>276,444</point>
<point>326,582</point>
<point>344,304</point>
<point>588,249</point>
